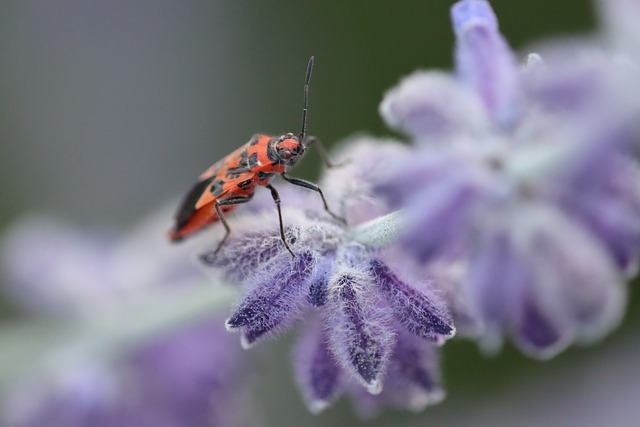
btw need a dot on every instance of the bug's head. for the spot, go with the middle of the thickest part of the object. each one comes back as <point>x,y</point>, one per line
<point>289,149</point>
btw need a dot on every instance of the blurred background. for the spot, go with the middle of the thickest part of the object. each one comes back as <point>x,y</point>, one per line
<point>109,110</point>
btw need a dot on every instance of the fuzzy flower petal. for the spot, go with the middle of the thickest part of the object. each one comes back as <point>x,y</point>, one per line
<point>448,107</point>
<point>319,376</point>
<point>414,375</point>
<point>484,60</point>
<point>359,332</point>
<point>547,283</point>
<point>412,308</point>
<point>621,19</point>
<point>445,207</point>
<point>412,381</point>
<point>319,283</point>
<point>605,196</point>
<point>272,301</point>
<point>261,250</point>
<point>193,378</point>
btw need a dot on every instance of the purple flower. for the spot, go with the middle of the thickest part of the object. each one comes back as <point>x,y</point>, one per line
<point>192,378</point>
<point>190,375</point>
<point>357,299</point>
<point>187,378</point>
<point>521,173</point>
<point>412,380</point>
<point>319,376</point>
<point>544,281</point>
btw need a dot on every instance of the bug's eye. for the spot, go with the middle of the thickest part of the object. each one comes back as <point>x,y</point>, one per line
<point>285,154</point>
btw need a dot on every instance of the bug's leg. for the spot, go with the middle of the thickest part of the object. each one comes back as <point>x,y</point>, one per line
<point>311,186</point>
<point>227,202</point>
<point>324,154</point>
<point>276,199</point>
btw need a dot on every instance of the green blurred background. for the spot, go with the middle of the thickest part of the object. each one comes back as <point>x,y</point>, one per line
<point>110,109</point>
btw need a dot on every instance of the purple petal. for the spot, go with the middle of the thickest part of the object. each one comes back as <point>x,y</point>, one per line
<point>615,224</point>
<point>358,327</point>
<point>578,284</point>
<point>413,380</point>
<point>495,284</point>
<point>440,217</point>
<point>400,179</point>
<point>422,315</point>
<point>433,106</point>
<point>484,60</point>
<point>564,86</point>
<point>473,12</point>
<point>350,188</point>
<point>603,194</point>
<point>448,277</point>
<point>244,254</point>
<point>275,294</point>
<point>621,18</point>
<point>318,288</point>
<point>190,376</point>
<point>535,329</point>
<point>317,371</point>
<point>84,394</point>
<point>546,281</point>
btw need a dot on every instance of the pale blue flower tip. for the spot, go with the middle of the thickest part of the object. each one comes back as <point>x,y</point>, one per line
<point>468,13</point>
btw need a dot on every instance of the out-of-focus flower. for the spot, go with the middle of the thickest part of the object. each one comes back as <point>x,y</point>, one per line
<point>190,375</point>
<point>186,378</point>
<point>58,269</point>
<point>520,171</point>
<point>621,19</point>
<point>367,320</point>
<point>519,208</point>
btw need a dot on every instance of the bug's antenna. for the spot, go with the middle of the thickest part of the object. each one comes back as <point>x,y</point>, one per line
<point>307,77</point>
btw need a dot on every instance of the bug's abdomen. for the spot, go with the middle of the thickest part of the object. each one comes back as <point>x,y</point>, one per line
<point>192,216</point>
<point>199,219</point>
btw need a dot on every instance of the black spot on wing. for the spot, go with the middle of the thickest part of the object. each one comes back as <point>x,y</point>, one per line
<point>217,187</point>
<point>264,175</point>
<point>188,205</point>
<point>252,162</point>
<point>243,165</point>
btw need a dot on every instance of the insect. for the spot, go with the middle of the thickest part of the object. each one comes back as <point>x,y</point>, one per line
<point>233,179</point>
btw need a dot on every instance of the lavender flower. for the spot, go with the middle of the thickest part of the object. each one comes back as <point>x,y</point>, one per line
<point>363,312</point>
<point>187,376</point>
<point>521,210</point>
<point>521,173</point>
<point>184,379</point>
<point>81,396</point>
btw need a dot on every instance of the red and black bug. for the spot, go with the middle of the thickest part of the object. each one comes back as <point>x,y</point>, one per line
<point>233,179</point>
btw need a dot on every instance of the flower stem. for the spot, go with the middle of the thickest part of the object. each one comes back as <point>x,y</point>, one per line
<point>380,232</point>
<point>41,348</point>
